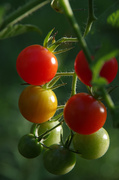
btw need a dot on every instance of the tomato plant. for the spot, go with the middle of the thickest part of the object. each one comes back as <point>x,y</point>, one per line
<point>58,160</point>
<point>92,146</point>
<point>29,146</point>
<point>53,136</point>
<point>36,65</point>
<point>84,73</point>
<point>84,114</point>
<point>37,104</point>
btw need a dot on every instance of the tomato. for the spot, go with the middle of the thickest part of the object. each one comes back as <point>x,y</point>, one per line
<point>58,160</point>
<point>92,146</point>
<point>36,65</point>
<point>82,69</point>
<point>29,146</point>
<point>54,136</point>
<point>84,114</point>
<point>36,104</point>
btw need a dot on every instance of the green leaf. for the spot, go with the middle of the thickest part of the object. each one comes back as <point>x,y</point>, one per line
<point>16,30</point>
<point>3,10</point>
<point>113,19</point>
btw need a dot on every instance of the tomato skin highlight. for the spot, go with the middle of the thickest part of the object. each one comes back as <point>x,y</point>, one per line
<point>36,65</point>
<point>84,114</point>
<point>36,104</point>
<point>108,71</point>
<point>92,146</point>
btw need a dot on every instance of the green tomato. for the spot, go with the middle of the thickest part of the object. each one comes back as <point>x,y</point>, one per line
<point>29,147</point>
<point>53,137</point>
<point>92,146</point>
<point>58,160</point>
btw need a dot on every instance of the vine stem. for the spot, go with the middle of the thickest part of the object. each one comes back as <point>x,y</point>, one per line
<point>108,100</point>
<point>65,74</point>
<point>69,14</point>
<point>23,12</point>
<point>91,17</point>
<point>74,82</point>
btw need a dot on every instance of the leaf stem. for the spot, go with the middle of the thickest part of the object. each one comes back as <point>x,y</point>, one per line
<point>23,12</point>
<point>69,14</point>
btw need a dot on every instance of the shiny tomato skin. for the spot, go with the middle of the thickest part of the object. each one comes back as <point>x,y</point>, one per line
<point>36,104</point>
<point>36,65</point>
<point>84,114</point>
<point>83,71</point>
<point>92,146</point>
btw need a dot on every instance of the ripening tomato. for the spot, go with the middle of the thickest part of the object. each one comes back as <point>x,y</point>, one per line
<point>92,146</point>
<point>36,104</point>
<point>108,71</point>
<point>36,65</point>
<point>29,146</point>
<point>84,114</point>
<point>58,160</point>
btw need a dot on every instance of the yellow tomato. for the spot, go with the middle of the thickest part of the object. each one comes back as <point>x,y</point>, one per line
<point>36,104</point>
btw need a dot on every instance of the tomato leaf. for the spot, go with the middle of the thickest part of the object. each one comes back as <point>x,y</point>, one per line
<point>11,31</point>
<point>113,19</point>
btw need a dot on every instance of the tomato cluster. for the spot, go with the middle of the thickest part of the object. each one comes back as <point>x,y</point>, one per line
<point>84,114</point>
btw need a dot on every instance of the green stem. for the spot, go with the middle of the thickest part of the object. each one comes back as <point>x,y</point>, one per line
<point>48,131</point>
<point>91,17</point>
<point>65,74</point>
<point>60,107</point>
<point>108,100</point>
<point>69,14</point>
<point>74,82</point>
<point>23,12</point>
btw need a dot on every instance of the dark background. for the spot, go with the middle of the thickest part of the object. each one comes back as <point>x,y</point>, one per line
<point>12,125</point>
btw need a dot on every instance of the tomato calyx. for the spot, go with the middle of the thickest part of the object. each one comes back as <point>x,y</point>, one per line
<point>97,93</point>
<point>51,44</point>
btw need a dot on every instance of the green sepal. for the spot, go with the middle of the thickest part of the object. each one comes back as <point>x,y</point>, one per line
<point>57,117</point>
<point>62,50</point>
<point>52,82</point>
<point>48,38</point>
<point>59,85</point>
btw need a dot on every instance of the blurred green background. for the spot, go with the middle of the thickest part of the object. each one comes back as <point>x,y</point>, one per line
<point>12,125</point>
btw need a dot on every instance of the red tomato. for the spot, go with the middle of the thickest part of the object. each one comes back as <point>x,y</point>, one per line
<point>108,71</point>
<point>84,114</point>
<point>36,65</point>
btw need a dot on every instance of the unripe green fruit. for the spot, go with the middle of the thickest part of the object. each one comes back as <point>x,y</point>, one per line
<point>92,146</point>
